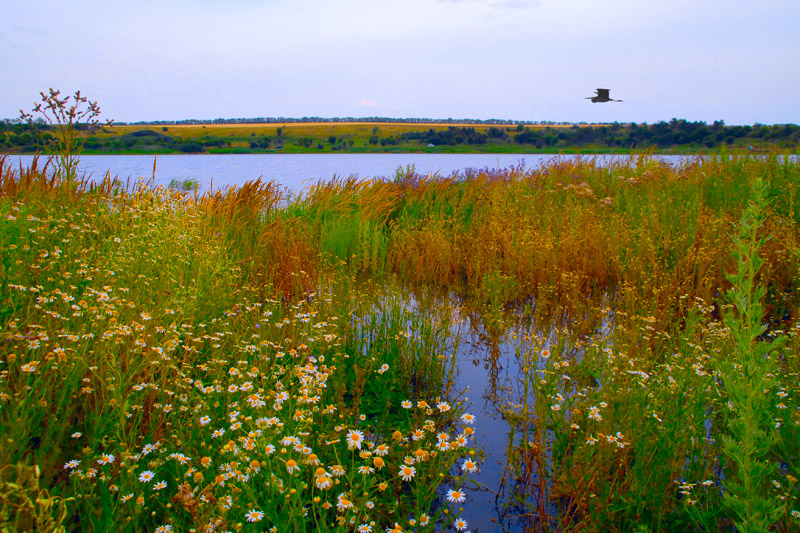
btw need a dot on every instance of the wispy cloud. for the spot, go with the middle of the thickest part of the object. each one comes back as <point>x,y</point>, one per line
<point>27,30</point>
<point>514,4</point>
<point>368,103</point>
<point>498,4</point>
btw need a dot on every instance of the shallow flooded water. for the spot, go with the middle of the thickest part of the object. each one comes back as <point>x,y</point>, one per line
<point>498,358</point>
<point>487,372</point>
<point>490,357</point>
<point>490,360</point>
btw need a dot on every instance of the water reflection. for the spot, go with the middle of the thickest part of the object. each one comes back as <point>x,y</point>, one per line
<point>500,356</point>
<point>488,359</point>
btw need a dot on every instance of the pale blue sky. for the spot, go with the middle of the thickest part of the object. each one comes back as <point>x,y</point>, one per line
<point>512,59</point>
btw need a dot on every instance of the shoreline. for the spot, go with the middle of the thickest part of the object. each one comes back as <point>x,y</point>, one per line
<point>435,151</point>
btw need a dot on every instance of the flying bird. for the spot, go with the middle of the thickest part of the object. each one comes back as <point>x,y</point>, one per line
<point>601,96</point>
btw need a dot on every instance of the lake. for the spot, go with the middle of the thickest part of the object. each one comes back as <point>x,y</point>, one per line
<point>293,171</point>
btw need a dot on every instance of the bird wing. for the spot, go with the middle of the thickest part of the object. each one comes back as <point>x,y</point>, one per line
<point>602,93</point>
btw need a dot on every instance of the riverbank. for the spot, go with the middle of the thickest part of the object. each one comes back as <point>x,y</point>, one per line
<point>675,137</point>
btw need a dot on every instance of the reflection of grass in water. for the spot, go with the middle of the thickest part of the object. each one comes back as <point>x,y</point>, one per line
<point>123,317</point>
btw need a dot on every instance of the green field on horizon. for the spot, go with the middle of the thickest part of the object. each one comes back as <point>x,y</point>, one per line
<point>306,137</point>
<point>676,136</point>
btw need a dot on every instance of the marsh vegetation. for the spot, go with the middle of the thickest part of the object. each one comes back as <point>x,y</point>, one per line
<point>231,360</point>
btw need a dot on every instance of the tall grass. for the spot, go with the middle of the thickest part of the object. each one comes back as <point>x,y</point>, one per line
<point>575,229</point>
<point>623,423</point>
<point>162,370</point>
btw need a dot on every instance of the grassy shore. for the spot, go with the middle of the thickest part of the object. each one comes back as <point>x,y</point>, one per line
<point>314,137</point>
<point>675,137</point>
<point>231,361</point>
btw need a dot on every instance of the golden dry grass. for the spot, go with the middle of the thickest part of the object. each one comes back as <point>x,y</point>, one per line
<point>304,129</point>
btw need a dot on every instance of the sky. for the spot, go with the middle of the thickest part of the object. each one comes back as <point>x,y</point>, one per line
<point>532,60</point>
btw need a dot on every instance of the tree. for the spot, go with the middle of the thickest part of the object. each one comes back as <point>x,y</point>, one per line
<point>192,147</point>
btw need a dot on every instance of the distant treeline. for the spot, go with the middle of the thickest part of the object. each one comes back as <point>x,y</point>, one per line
<point>659,135</point>
<point>284,120</point>
<point>673,135</point>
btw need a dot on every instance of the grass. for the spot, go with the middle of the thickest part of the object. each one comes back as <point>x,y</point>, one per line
<point>303,137</point>
<point>170,359</point>
<point>156,378</point>
<point>359,130</point>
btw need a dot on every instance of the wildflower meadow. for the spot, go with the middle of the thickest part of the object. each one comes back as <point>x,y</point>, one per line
<point>235,360</point>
